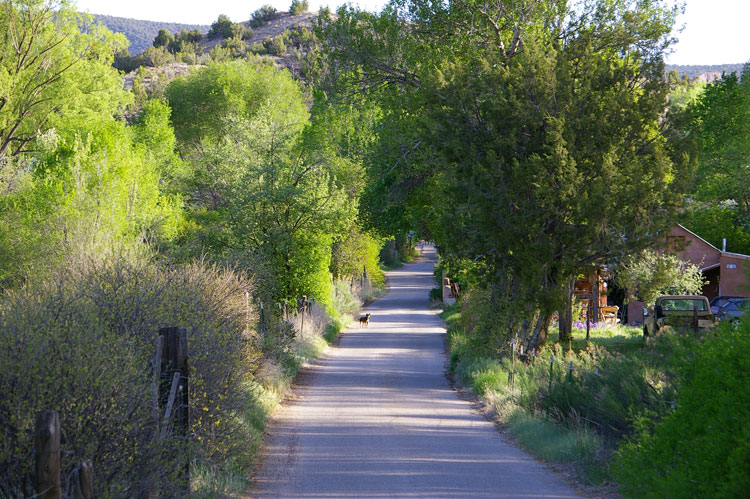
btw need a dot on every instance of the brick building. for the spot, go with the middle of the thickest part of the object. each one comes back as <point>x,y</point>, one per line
<point>727,273</point>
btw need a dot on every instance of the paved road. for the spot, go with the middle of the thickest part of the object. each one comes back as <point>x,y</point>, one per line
<point>379,419</point>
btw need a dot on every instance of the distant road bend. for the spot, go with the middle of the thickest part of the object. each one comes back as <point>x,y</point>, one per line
<point>379,419</point>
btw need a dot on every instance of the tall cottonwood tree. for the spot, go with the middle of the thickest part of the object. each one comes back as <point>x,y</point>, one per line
<point>529,134</point>
<point>264,186</point>
<point>51,68</point>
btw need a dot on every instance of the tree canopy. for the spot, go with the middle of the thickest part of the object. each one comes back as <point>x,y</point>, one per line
<point>527,135</point>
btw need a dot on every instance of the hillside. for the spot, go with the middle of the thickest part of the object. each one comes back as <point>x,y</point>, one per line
<point>705,72</point>
<point>142,33</point>
<point>285,40</point>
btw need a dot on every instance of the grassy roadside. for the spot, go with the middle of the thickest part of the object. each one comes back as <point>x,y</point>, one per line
<point>622,412</point>
<point>512,392</point>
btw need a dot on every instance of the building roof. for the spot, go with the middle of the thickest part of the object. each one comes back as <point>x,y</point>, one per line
<point>697,237</point>
<point>711,245</point>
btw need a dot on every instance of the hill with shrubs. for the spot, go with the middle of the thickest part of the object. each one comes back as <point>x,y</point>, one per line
<point>141,33</point>
<point>705,72</point>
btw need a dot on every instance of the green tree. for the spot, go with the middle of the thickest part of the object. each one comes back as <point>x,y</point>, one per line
<point>298,7</point>
<point>50,69</point>
<point>163,39</point>
<point>263,16</point>
<point>719,122</point>
<point>715,222</point>
<point>222,27</point>
<point>263,189</point>
<point>650,275</point>
<point>527,135</point>
<point>89,187</point>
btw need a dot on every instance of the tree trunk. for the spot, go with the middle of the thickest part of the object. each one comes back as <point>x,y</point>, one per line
<point>565,315</point>
<point>539,336</point>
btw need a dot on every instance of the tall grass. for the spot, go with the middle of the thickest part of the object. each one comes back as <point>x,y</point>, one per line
<point>562,415</point>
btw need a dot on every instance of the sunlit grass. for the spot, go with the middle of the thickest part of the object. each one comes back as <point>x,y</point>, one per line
<point>624,339</point>
<point>553,442</point>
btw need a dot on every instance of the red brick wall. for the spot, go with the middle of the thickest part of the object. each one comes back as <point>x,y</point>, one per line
<point>733,280</point>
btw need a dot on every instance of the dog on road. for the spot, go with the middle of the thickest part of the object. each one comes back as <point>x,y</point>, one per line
<point>364,321</point>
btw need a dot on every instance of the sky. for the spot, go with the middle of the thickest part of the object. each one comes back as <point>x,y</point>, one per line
<point>715,31</point>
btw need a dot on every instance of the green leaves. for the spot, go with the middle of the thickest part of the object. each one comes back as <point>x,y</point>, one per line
<point>266,182</point>
<point>525,135</point>
<point>651,275</point>
<point>52,70</point>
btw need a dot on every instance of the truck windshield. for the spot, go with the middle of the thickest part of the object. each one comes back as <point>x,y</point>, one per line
<point>684,304</point>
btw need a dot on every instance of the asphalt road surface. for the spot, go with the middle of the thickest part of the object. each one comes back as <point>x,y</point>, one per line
<point>376,417</point>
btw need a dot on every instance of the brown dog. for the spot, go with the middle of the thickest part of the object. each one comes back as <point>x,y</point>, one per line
<point>364,321</point>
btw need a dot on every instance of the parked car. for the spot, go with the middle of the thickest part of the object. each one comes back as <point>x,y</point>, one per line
<point>719,301</point>
<point>680,311</point>
<point>733,309</point>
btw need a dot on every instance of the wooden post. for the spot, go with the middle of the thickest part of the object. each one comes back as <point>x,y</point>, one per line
<point>182,409</point>
<point>588,320</point>
<point>262,321</point>
<point>174,391</point>
<point>170,405</point>
<point>156,380</point>
<point>595,293</point>
<point>47,456</point>
<point>81,482</point>
<point>551,365</point>
<point>175,369</point>
<point>695,319</point>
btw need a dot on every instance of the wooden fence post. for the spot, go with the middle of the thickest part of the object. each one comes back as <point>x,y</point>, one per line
<point>262,321</point>
<point>81,482</point>
<point>156,381</point>
<point>47,456</point>
<point>173,390</point>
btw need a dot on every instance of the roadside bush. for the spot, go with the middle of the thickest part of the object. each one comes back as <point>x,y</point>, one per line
<point>345,301</point>
<point>389,255</point>
<point>355,253</point>
<point>702,449</point>
<point>606,390</point>
<point>81,342</point>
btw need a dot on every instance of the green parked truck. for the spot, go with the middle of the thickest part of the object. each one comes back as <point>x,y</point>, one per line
<point>678,311</point>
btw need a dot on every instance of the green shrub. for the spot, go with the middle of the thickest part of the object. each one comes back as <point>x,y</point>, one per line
<point>344,300</point>
<point>235,45</point>
<point>222,27</point>
<point>605,390</point>
<point>81,342</point>
<point>702,449</point>
<point>263,16</point>
<point>298,7</point>
<point>274,46</point>
<point>355,254</point>
<point>485,375</point>
<point>389,255</point>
